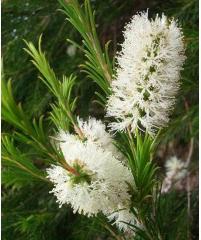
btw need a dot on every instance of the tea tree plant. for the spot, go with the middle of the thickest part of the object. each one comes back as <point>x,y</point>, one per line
<point>106,172</point>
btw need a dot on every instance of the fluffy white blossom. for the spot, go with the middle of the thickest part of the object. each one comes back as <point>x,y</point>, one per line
<point>175,168</point>
<point>175,171</point>
<point>100,184</point>
<point>95,131</point>
<point>148,73</point>
<point>122,218</point>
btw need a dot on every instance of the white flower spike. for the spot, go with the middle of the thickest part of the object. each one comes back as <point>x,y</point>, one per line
<point>148,73</point>
<point>100,184</point>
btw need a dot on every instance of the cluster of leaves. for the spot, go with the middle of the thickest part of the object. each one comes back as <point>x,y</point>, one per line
<point>27,147</point>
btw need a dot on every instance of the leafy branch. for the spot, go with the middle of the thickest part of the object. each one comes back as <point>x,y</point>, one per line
<point>12,157</point>
<point>98,65</point>
<point>32,133</point>
<point>62,114</point>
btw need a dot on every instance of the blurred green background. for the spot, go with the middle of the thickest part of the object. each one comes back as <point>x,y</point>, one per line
<point>29,212</point>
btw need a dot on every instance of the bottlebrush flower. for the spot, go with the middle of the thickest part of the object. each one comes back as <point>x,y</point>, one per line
<point>98,182</point>
<point>148,73</point>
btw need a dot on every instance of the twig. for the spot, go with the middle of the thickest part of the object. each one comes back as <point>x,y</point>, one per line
<point>188,188</point>
<point>190,152</point>
<point>108,227</point>
<point>117,237</point>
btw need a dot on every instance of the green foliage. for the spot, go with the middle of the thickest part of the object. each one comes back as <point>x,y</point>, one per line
<point>30,132</point>
<point>139,150</point>
<point>144,169</point>
<point>62,110</point>
<point>32,213</point>
<point>13,158</point>
<point>169,208</point>
<point>26,19</point>
<point>98,65</point>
